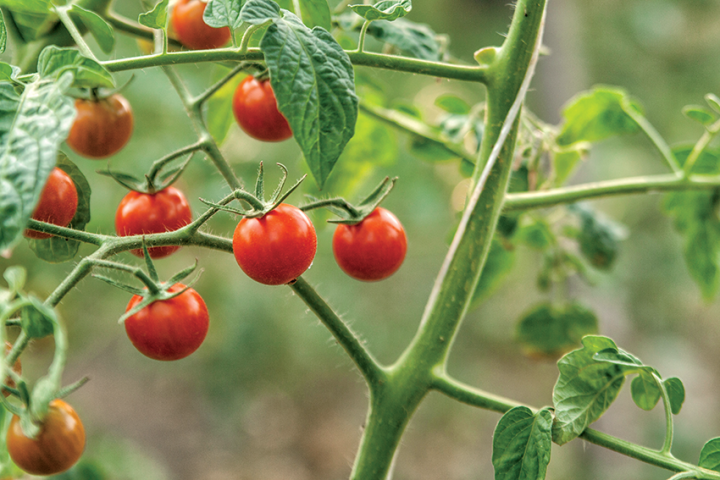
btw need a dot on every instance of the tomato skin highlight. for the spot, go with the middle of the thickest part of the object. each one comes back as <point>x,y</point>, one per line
<point>102,127</point>
<point>144,213</point>
<point>373,249</point>
<point>58,446</point>
<point>169,329</point>
<point>191,29</point>
<point>58,203</point>
<point>277,248</point>
<point>256,111</point>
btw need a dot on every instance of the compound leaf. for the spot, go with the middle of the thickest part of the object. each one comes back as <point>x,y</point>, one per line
<point>32,126</point>
<point>521,444</point>
<point>585,388</point>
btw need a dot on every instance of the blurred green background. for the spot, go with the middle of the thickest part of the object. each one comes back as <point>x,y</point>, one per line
<point>270,396</point>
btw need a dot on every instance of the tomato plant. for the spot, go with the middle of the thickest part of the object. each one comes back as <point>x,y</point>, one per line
<point>58,203</point>
<point>56,448</point>
<point>191,29</point>
<point>143,213</point>
<point>256,111</point>
<point>276,248</point>
<point>502,228</point>
<point>169,329</point>
<point>372,249</point>
<point>102,126</point>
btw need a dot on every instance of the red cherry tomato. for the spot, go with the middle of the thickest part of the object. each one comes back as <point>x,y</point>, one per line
<point>143,213</point>
<point>58,203</point>
<point>276,248</point>
<point>102,127</point>
<point>256,111</point>
<point>191,29</point>
<point>169,329</point>
<point>372,249</point>
<point>58,446</point>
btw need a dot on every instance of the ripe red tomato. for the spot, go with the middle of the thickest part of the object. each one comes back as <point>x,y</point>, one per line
<point>102,127</point>
<point>58,446</point>
<point>372,249</point>
<point>169,329</point>
<point>256,111</point>
<point>191,29</point>
<point>143,213</point>
<point>276,248</point>
<point>58,203</point>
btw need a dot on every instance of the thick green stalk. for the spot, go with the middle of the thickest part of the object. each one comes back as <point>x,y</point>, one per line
<point>409,380</point>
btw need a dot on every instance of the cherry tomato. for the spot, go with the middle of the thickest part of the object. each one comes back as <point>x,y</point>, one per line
<point>191,29</point>
<point>58,446</point>
<point>102,127</point>
<point>143,213</point>
<point>256,111</point>
<point>58,203</point>
<point>169,329</point>
<point>372,249</point>
<point>276,248</point>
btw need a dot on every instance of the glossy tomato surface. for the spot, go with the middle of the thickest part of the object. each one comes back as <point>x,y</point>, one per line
<point>373,249</point>
<point>58,203</point>
<point>169,329</point>
<point>276,248</point>
<point>256,111</point>
<point>58,446</point>
<point>191,29</point>
<point>102,127</point>
<point>143,213</point>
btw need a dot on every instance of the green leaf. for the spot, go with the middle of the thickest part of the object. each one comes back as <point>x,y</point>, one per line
<point>596,115</point>
<point>699,114</point>
<point>15,278</point>
<point>713,101</point>
<point>97,26</point>
<point>223,13</point>
<point>710,455</point>
<point>599,237</point>
<point>695,218</point>
<point>676,393</point>
<point>549,331</point>
<point>257,12</point>
<point>313,81</point>
<point>37,320</point>
<point>313,13</point>
<point>645,392</point>
<point>536,235</point>
<point>498,265</point>
<point>28,6</point>
<point>87,73</point>
<point>707,163</point>
<point>585,388</point>
<point>157,18</point>
<point>220,115</point>
<point>9,73</point>
<point>32,126</point>
<point>414,39</point>
<point>452,104</point>
<point>521,444</point>
<point>56,249</point>
<point>564,160</point>
<point>385,10</point>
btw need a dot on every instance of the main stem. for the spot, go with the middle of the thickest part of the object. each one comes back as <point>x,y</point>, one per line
<point>393,402</point>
